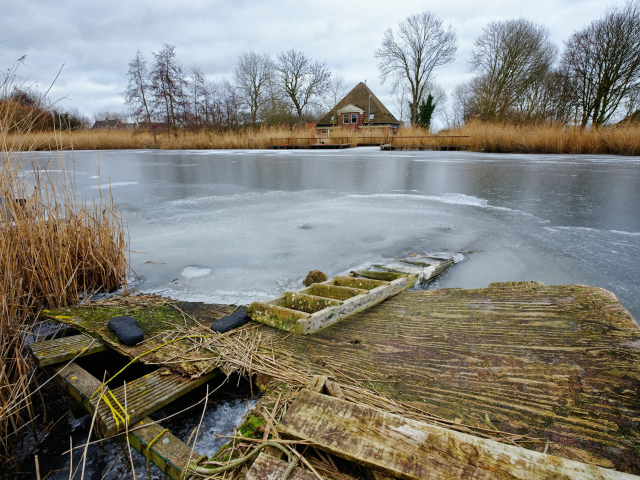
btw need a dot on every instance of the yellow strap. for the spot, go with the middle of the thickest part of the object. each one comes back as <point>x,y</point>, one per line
<point>121,407</point>
<point>114,412</point>
<point>149,449</point>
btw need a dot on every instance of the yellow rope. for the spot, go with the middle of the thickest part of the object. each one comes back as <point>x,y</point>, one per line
<point>148,449</point>
<point>114,412</point>
<point>146,353</point>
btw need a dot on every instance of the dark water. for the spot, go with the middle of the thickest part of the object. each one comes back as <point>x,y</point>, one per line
<point>233,226</point>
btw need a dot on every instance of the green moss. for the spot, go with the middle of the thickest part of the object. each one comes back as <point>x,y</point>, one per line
<point>249,429</point>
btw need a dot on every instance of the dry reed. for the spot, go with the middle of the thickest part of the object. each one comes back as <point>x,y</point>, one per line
<point>54,249</point>
<point>483,137</point>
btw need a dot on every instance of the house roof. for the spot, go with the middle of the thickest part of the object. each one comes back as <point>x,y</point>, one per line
<point>359,97</point>
<point>107,124</point>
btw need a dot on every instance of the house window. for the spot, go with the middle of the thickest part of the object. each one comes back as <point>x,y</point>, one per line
<point>371,116</point>
<point>333,117</point>
<point>354,118</point>
<point>346,118</point>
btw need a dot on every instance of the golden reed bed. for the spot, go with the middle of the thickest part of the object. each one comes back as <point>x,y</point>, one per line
<point>498,138</point>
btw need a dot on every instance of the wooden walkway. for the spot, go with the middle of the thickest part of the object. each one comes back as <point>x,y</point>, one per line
<point>561,363</point>
<point>558,362</point>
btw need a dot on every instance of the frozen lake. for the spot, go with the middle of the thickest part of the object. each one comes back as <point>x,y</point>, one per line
<point>227,226</point>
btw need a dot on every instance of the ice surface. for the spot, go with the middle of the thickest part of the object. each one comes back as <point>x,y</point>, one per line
<point>236,226</point>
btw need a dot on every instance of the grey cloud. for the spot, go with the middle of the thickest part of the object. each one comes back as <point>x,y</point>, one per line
<point>96,40</point>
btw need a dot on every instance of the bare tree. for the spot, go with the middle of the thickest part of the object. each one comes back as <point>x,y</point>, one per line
<point>196,94</point>
<point>510,57</point>
<point>137,96</point>
<point>168,84</point>
<point>302,80</point>
<point>251,75</point>
<point>336,90</point>
<point>602,62</point>
<point>422,44</point>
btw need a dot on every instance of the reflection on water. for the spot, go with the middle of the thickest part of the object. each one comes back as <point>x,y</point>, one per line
<point>258,221</point>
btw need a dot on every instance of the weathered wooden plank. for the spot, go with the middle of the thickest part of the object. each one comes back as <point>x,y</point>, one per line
<point>50,352</point>
<point>414,450</point>
<point>266,467</point>
<point>168,453</point>
<point>77,383</point>
<point>145,395</point>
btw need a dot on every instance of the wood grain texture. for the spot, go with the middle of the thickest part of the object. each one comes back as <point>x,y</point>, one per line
<point>58,350</point>
<point>413,450</point>
<point>557,362</point>
<point>145,395</point>
<point>266,467</point>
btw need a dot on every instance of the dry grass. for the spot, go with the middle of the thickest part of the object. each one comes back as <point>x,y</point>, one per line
<point>54,248</point>
<point>499,138</point>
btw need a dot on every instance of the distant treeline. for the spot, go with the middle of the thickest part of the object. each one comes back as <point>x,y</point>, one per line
<point>25,110</point>
<point>521,77</point>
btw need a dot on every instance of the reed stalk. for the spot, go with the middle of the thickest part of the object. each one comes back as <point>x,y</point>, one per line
<point>54,250</point>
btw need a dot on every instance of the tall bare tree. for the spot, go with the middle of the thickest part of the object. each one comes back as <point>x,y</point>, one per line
<point>251,75</point>
<point>421,44</point>
<point>602,62</point>
<point>302,80</point>
<point>510,57</point>
<point>197,93</point>
<point>336,90</point>
<point>138,95</point>
<point>168,84</point>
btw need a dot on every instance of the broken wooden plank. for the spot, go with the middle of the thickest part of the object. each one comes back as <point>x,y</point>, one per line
<point>58,350</point>
<point>266,467</point>
<point>414,450</point>
<point>145,395</point>
<point>317,383</point>
<point>168,453</point>
<point>334,389</point>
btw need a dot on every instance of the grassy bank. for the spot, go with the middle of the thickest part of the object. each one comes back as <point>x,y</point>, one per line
<point>499,138</point>
<point>54,249</point>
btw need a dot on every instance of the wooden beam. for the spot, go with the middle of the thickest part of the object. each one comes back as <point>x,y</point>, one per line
<point>168,453</point>
<point>268,467</point>
<point>413,450</point>
<point>58,350</point>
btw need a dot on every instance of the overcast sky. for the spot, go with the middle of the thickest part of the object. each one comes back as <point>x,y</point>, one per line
<point>96,40</point>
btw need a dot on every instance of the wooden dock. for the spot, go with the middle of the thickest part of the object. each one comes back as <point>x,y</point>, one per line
<point>554,368</point>
<point>424,147</point>
<point>312,143</point>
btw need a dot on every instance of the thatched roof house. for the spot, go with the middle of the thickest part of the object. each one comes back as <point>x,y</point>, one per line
<point>360,108</point>
<point>108,125</point>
